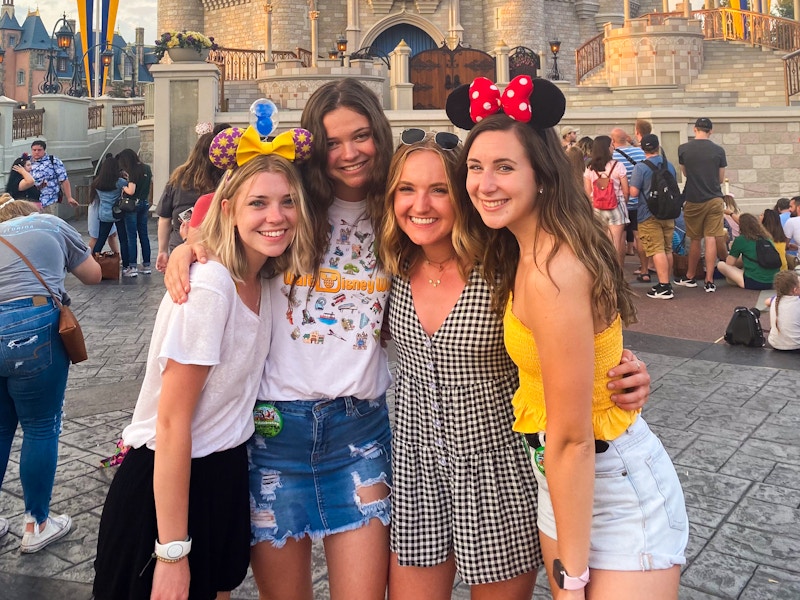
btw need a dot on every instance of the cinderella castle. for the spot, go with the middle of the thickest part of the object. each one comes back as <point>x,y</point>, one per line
<point>381,24</point>
<point>616,60</point>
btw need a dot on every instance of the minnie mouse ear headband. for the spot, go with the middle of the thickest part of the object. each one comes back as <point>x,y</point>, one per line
<point>537,102</point>
<point>236,146</point>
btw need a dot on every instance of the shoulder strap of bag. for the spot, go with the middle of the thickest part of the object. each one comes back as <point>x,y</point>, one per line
<point>628,158</point>
<point>32,268</point>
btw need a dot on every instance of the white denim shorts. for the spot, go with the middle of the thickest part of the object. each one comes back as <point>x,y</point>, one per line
<point>93,221</point>
<point>639,520</point>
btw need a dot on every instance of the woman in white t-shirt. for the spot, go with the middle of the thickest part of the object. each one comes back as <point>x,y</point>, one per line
<point>183,485</point>
<point>616,218</point>
<point>784,312</point>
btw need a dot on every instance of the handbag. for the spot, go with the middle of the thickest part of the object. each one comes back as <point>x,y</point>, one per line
<point>109,264</point>
<point>68,326</point>
<point>127,204</point>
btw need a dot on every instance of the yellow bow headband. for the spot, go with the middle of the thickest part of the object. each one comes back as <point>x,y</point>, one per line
<point>294,145</point>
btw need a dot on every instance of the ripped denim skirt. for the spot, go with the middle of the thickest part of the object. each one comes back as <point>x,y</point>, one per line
<point>325,469</point>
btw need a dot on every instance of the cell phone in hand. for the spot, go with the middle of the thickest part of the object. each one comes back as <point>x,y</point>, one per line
<point>186,215</point>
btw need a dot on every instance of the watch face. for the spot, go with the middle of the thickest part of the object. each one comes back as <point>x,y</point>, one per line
<point>174,550</point>
<point>558,573</point>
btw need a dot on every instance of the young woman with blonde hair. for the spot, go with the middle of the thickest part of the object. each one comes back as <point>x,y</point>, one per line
<point>183,486</point>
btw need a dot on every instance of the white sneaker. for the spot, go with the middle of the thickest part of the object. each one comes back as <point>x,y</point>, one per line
<point>145,269</point>
<point>54,529</point>
<point>3,526</point>
<point>130,272</point>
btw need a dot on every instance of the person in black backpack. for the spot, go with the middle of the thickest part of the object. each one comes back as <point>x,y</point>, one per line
<point>753,260</point>
<point>655,235</point>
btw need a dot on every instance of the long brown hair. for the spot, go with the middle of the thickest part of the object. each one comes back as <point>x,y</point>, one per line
<point>564,214</point>
<point>198,173</point>
<point>750,228</point>
<point>601,153</point>
<point>772,224</point>
<point>395,249</point>
<point>343,93</point>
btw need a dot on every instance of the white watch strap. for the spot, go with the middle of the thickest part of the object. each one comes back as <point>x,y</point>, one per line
<point>173,551</point>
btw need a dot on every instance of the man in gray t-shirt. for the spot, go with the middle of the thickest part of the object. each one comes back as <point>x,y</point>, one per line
<point>703,164</point>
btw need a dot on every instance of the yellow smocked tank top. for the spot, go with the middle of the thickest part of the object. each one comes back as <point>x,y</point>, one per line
<point>608,420</point>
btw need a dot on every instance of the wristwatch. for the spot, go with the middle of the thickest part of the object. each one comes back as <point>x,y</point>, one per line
<point>564,581</point>
<point>173,551</point>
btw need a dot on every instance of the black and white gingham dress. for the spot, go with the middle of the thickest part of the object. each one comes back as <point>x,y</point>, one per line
<point>462,480</point>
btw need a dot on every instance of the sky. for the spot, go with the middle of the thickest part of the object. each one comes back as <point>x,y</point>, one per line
<point>130,15</point>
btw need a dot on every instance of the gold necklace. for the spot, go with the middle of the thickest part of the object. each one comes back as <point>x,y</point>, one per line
<point>439,265</point>
<point>258,297</point>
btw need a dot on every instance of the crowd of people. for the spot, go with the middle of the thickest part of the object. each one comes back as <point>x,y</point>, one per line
<point>478,260</point>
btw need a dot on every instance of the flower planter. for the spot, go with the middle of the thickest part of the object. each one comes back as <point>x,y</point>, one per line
<point>188,54</point>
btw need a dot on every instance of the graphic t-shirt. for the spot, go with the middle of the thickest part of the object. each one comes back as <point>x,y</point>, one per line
<point>326,333</point>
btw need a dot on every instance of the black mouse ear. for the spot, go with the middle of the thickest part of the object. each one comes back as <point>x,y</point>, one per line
<point>548,104</point>
<point>457,107</point>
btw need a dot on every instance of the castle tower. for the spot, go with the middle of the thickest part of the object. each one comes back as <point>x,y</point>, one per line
<point>8,9</point>
<point>179,15</point>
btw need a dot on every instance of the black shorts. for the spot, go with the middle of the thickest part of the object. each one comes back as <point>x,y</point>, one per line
<point>219,525</point>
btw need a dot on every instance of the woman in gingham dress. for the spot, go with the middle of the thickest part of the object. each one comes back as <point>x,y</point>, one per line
<point>464,495</point>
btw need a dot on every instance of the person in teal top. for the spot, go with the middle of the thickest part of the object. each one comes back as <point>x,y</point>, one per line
<point>741,267</point>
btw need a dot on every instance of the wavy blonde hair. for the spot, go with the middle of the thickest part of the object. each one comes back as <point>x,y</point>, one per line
<point>397,252</point>
<point>564,214</point>
<point>15,208</point>
<point>219,234</point>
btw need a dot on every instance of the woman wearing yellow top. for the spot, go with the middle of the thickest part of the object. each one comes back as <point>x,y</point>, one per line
<point>611,509</point>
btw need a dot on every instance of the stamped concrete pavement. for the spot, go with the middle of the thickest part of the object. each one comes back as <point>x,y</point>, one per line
<point>729,418</point>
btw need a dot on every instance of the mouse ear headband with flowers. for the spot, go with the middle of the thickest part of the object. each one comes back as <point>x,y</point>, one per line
<point>235,146</point>
<point>537,102</point>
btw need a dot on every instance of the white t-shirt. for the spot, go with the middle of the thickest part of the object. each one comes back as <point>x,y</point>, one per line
<point>792,230</point>
<point>215,328</point>
<point>326,339</point>
<point>788,321</point>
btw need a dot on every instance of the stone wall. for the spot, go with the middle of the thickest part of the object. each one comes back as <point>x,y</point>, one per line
<point>659,55</point>
<point>761,145</point>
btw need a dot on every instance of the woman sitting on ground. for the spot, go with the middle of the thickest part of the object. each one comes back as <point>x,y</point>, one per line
<point>771,220</point>
<point>741,267</point>
<point>784,312</point>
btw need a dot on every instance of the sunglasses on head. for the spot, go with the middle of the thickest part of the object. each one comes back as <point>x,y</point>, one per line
<point>443,139</point>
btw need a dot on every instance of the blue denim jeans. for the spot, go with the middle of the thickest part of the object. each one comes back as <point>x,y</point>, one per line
<point>122,233</point>
<point>33,376</point>
<point>136,225</point>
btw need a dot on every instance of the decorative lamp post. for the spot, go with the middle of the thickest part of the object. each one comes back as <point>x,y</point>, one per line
<point>64,37</point>
<point>341,46</point>
<point>554,75</point>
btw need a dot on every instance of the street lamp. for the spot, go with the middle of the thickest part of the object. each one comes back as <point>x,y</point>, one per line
<point>341,46</point>
<point>106,59</point>
<point>64,37</point>
<point>555,46</point>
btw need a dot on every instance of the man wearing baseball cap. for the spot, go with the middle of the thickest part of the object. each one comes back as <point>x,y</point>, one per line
<point>703,164</point>
<point>569,135</point>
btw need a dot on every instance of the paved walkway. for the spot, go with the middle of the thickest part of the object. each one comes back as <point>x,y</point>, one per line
<point>729,417</point>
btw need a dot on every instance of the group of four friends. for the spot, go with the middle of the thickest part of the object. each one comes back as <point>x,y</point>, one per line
<point>517,408</point>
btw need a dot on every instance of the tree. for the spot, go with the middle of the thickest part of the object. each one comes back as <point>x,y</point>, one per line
<point>783,8</point>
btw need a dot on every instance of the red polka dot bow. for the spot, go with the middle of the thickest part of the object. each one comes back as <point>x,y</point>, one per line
<point>485,99</point>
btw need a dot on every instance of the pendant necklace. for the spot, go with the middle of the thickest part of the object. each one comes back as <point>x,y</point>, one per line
<point>440,266</point>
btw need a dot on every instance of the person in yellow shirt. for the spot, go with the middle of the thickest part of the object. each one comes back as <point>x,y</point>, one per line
<point>611,512</point>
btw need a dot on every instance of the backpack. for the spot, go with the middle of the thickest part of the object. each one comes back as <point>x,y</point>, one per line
<point>664,199</point>
<point>767,255</point>
<point>603,195</point>
<point>60,191</point>
<point>744,328</point>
